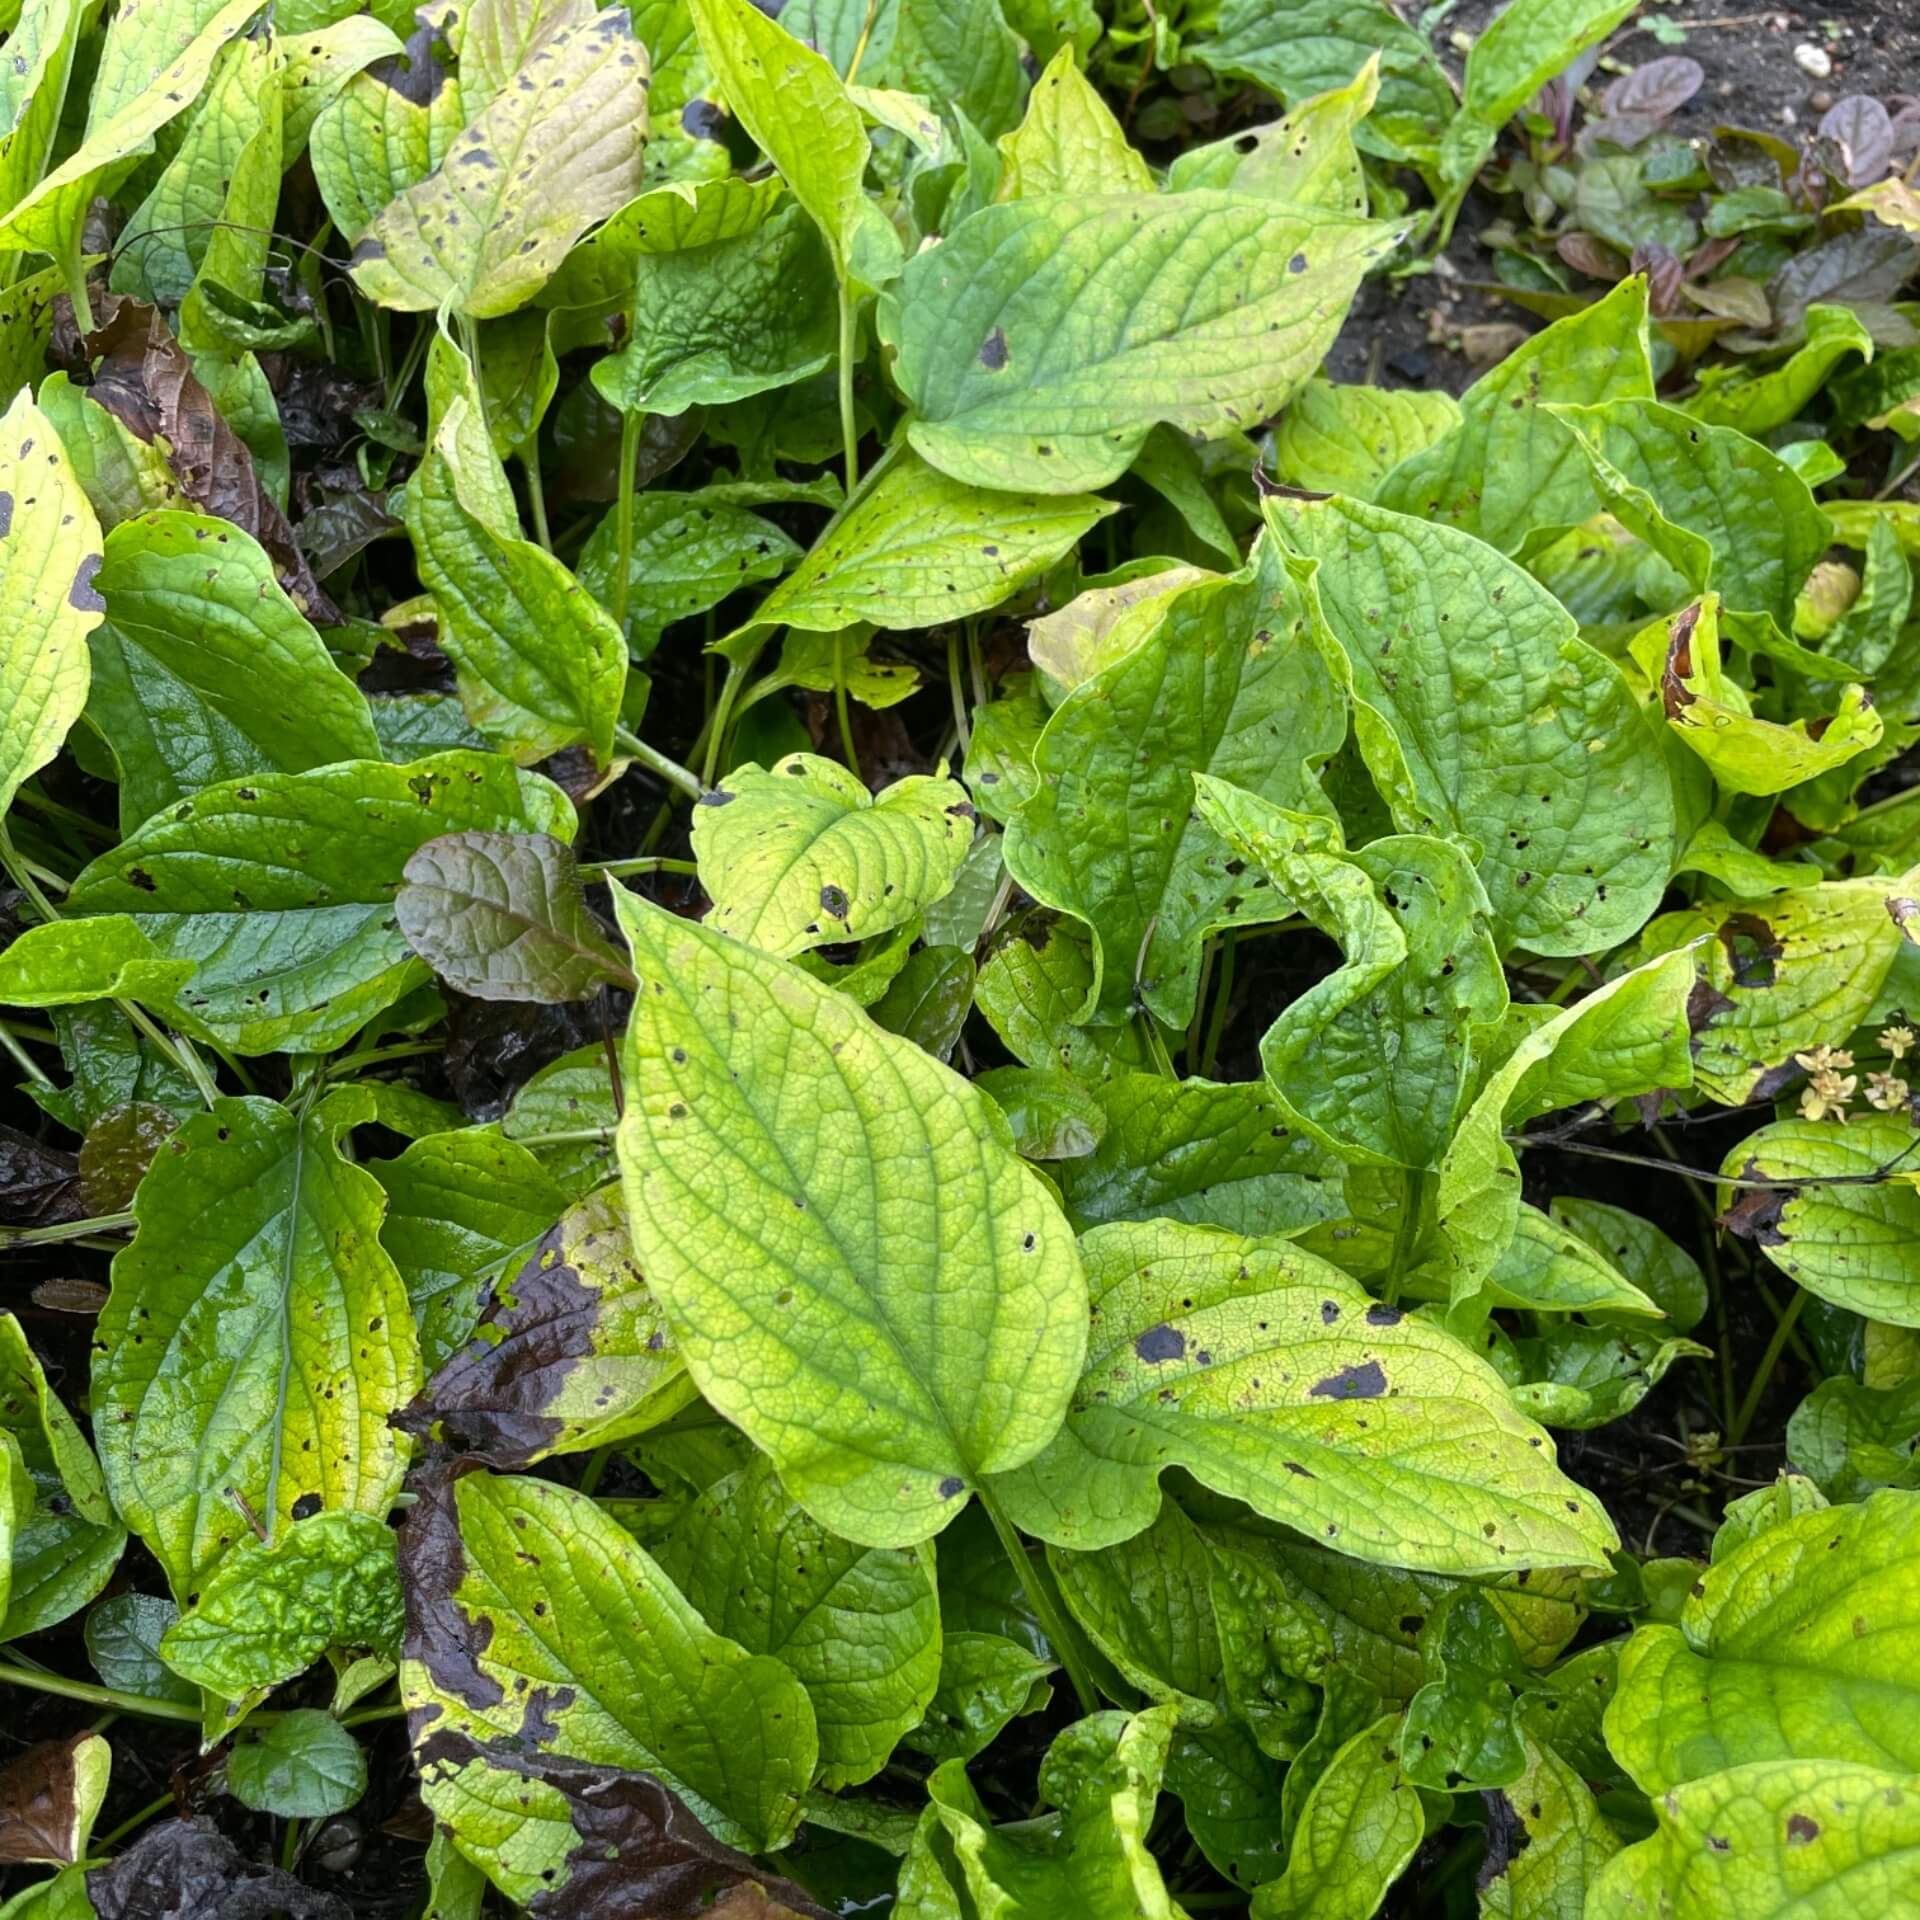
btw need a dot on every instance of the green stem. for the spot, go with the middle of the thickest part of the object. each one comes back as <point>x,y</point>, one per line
<point>470,334</point>
<point>656,762</point>
<point>74,272</point>
<point>416,352</point>
<point>648,863</point>
<point>1156,1046</point>
<point>1036,1581</point>
<point>596,1466</point>
<point>24,1060</point>
<point>1763,1373</point>
<point>860,45</point>
<point>848,436</point>
<point>1406,1235</point>
<point>134,1703</point>
<point>351,1063</point>
<point>366,1716</point>
<point>65,1230</point>
<point>103,1840</point>
<point>290,1846</point>
<point>630,425</point>
<point>956,688</point>
<point>851,757</point>
<point>568,1137</point>
<point>722,715</point>
<point>536,497</point>
<point>1222,1002</point>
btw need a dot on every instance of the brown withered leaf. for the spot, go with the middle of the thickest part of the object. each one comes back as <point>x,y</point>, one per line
<point>118,1150</point>
<point>642,1855</point>
<point>39,1801</point>
<point>190,1870</point>
<point>144,378</point>
<point>39,1185</point>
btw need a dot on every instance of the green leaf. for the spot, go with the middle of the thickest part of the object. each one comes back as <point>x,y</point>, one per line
<point>1270,1377</point>
<point>1560,1842</point>
<point>204,670</point>
<point>961,51</point>
<point>1042,339</point>
<point>501,916</point>
<point>1482,714</point>
<point>1797,1646</point>
<point>1624,1038</point>
<point>1419,973</point>
<point>1771,1842</point>
<point>280,888</point>
<point>1759,402</point>
<point>1579,1376</point>
<point>461,1205</point>
<point>689,553</point>
<point>801,855</point>
<point>714,323</point>
<point>316,68</point>
<point>66,1542</point>
<point>1721,508</point>
<point>1091,1857</point>
<point>1225,680</point>
<point>541,666</point>
<point>1853,1439</point>
<point>271,1610</point>
<point>859,1626</point>
<point>1462,1728</point>
<point>572,1353</point>
<point>386,132</point>
<point>916,548</point>
<point>1307,158</point>
<point>64,963</point>
<point>986,1682</point>
<point>886,1342</point>
<point>49,556</point>
<point>123,1635</point>
<point>536,1625</point>
<point>1316,46</point>
<point>255,1341</point>
<point>1851,1242</point>
<point>533,170</point>
<point>1511,468</point>
<point>1358,1828</point>
<point>1341,439</point>
<point>796,109</point>
<point>152,69</point>
<point>1524,46</point>
<point>1780,975</point>
<point>1712,715</point>
<point>303,1766</point>
<point>1208,1153</point>
<point>1069,141</point>
<point>929,999</point>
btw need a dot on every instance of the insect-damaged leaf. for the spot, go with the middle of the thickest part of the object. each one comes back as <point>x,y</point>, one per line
<point>204,670</point>
<point>271,1609</point>
<point>1800,1645</point>
<point>573,1352</point>
<point>557,149</point>
<point>1481,713</point>
<point>501,916</point>
<point>1850,1241</point>
<point>1779,975</point>
<point>801,855</point>
<point>1223,678</point>
<point>281,887</point>
<point>49,557</point>
<point>1772,1841</point>
<point>860,1626</point>
<point>1043,339</point>
<point>885,1341</point>
<point>256,1339</point>
<point>536,1626</point>
<point>1269,1376</point>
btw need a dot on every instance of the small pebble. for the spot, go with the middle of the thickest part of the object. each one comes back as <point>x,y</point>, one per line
<point>1813,61</point>
<point>1820,101</point>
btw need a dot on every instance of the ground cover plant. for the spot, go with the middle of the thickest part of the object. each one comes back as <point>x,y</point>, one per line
<point>859,1065</point>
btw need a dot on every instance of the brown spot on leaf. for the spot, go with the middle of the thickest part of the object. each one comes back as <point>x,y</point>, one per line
<point>1801,1832</point>
<point>993,351</point>
<point>1755,1213</point>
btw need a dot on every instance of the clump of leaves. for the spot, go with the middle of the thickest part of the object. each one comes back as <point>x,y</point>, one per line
<point>854,1070</point>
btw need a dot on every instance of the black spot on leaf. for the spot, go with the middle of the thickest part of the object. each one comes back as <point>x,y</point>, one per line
<point>993,351</point>
<point>1367,1381</point>
<point>1161,1343</point>
<point>83,596</point>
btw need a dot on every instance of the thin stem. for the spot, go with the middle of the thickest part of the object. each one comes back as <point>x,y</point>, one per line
<point>648,863</point>
<point>1156,1045</point>
<point>74,272</point>
<point>860,45</point>
<point>290,1846</point>
<point>349,1063</point>
<point>133,1820</point>
<point>656,762</point>
<point>17,1676</point>
<point>847,750</point>
<point>24,1060</point>
<point>470,334</point>
<point>1878,1177</point>
<point>1406,1234</point>
<point>65,1230</point>
<point>177,1047</point>
<point>568,1137</point>
<point>1036,1581</point>
<point>960,723</point>
<point>630,426</point>
<point>596,1466</point>
<point>1222,1000</point>
<point>848,436</point>
<point>366,1716</point>
<point>536,496</point>
<point>1763,1373</point>
<point>416,352</point>
<point>722,714</point>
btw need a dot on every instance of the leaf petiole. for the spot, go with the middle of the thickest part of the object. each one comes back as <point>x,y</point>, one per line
<point>1036,1582</point>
